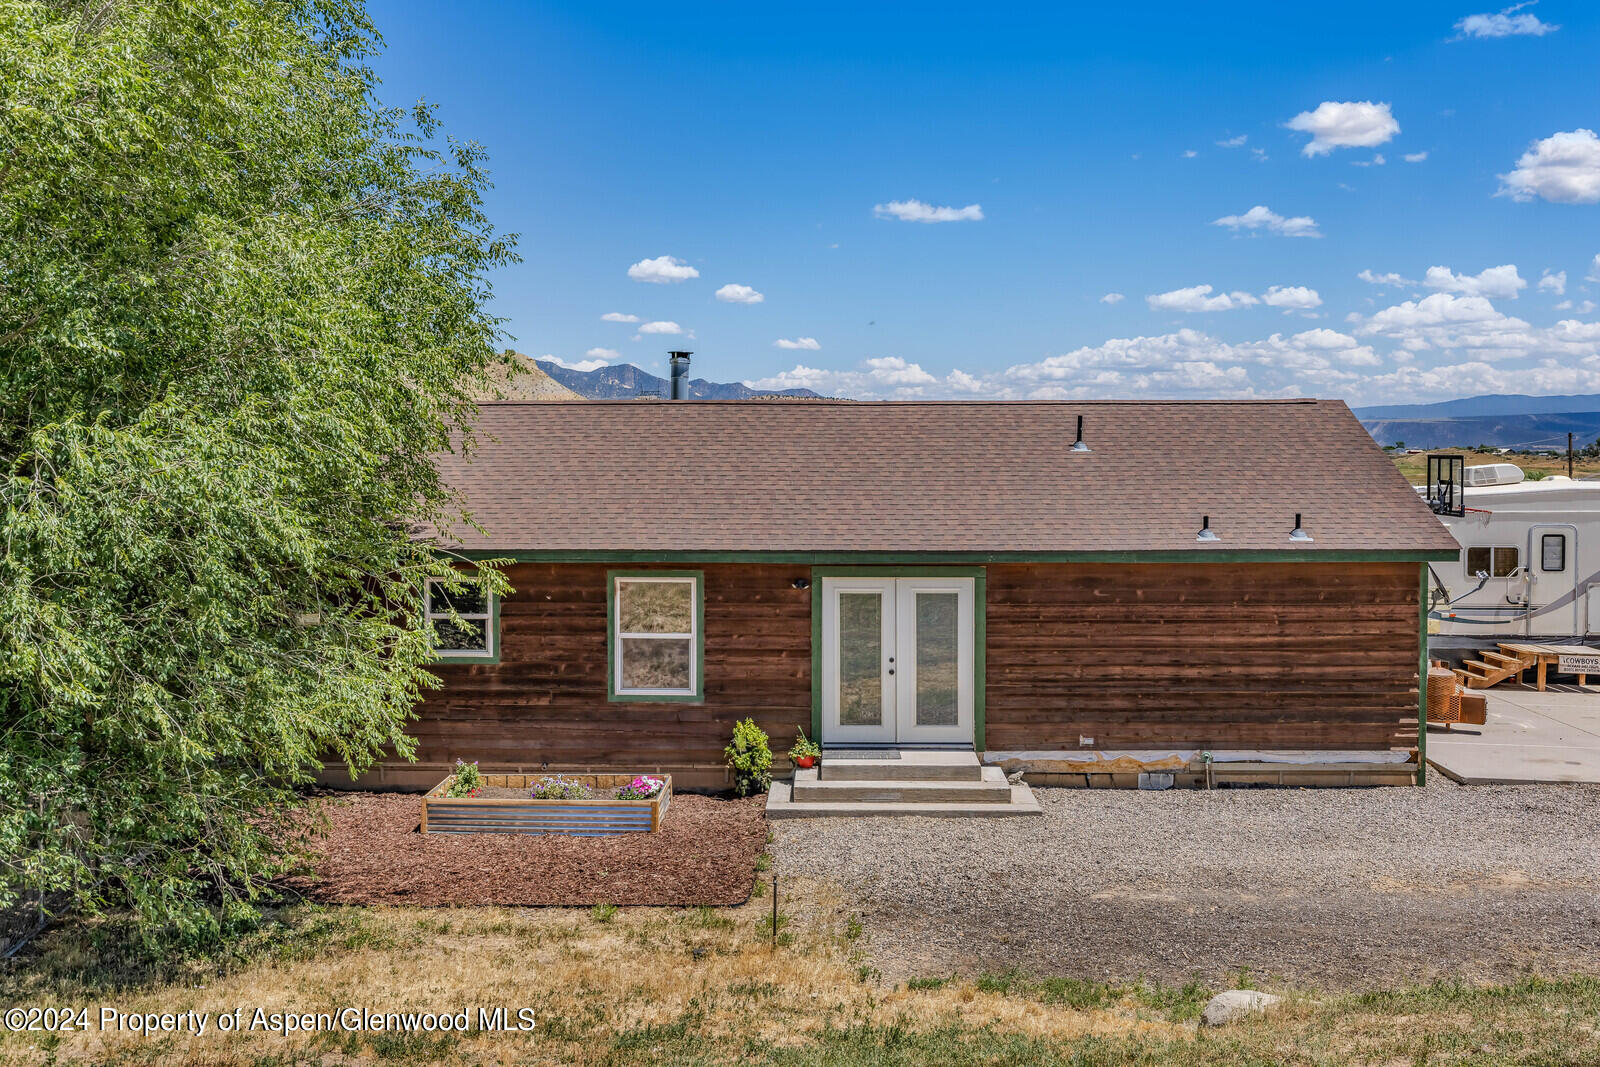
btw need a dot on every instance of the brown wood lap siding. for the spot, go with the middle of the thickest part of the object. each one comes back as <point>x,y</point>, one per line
<point>1293,655</point>
<point>545,701</point>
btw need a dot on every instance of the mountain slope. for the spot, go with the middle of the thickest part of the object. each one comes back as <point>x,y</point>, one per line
<point>1495,404</point>
<point>1501,431</point>
<point>626,380</point>
<point>531,384</point>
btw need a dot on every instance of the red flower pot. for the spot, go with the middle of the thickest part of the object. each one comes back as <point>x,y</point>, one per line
<point>805,761</point>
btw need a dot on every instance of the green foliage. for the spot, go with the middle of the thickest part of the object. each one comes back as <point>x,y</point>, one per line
<point>241,304</point>
<point>468,780</point>
<point>749,758</point>
<point>603,913</point>
<point>1535,476</point>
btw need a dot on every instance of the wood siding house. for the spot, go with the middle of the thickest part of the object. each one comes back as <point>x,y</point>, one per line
<point>932,574</point>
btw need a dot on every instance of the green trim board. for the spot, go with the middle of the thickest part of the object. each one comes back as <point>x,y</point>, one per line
<point>947,559</point>
<point>979,630</point>
<point>493,628</point>
<point>699,694</point>
<point>1422,680</point>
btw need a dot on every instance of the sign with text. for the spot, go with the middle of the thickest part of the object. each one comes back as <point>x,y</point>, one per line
<point>1578,664</point>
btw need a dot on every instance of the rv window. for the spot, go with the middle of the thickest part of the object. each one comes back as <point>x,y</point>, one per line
<point>1553,550</point>
<point>1498,561</point>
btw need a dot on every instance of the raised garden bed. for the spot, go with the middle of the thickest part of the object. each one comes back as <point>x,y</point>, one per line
<point>504,807</point>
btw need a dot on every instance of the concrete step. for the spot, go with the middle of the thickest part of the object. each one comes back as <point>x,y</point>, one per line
<point>990,788</point>
<point>782,805</point>
<point>912,765</point>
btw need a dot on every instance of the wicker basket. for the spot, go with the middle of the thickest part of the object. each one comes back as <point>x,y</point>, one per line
<point>1444,695</point>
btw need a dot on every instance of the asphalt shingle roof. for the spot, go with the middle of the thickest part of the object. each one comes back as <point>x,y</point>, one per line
<point>931,477</point>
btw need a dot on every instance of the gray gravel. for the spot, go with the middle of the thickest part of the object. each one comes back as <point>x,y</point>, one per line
<point>1316,888</point>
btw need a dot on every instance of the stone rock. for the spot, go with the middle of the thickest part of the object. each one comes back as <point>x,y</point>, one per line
<point>1235,1004</point>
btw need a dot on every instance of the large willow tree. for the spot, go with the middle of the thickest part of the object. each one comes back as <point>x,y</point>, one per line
<point>240,305</point>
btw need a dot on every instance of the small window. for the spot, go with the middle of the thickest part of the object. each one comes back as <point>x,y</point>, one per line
<point>655,637</point>
<point>1553,552</point>
<point>1499,561</point>
<point>470,633</point>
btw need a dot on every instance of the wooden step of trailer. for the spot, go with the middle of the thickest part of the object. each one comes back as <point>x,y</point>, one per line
<point>1499,659</point>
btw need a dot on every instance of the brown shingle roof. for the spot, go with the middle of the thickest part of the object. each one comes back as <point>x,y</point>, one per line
<point>715,476</point>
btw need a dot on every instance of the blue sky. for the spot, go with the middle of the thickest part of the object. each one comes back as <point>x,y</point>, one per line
<point>1088,172</point>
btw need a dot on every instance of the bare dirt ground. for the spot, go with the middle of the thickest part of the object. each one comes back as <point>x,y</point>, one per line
<point>705,853</point>
<point>1334,889</point>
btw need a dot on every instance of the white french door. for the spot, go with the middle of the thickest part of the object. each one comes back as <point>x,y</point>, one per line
<point>897,660</point>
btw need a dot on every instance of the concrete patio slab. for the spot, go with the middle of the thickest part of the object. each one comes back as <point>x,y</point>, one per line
<point>1531,737</point>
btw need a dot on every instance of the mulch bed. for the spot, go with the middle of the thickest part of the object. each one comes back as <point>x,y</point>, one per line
<point>705,853</point>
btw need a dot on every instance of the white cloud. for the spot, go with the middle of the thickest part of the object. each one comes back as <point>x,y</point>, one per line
<point>1436,310</point>
<point>1416,157</point>
<point>1259,154</point>
<point>598,357</point>
<point>1594,270</point>
<point>1553,283</point>
<point>663,270</point>
<point>1199,298</point>
<point>1262,218</point>
<point>618,316</point>
<point>1291,297</point>
<point>1499,282</point>
<point>1234,142</point>
<point>808,343</point>
<point>882,378</point>
<point>1350,124</point>
<point>1564,168</point>
<point>1507,23</point>
<point>1377,160</point>
<point>739,294</point>
<point>1189,153</point>
<point>1111,298</point>
<point>662,326</point>
<point>1582,308</point>
<point>917,211</point>
<point>1385,279</point>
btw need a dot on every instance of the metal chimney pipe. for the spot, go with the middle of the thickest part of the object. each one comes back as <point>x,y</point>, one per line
<point>680,374</point>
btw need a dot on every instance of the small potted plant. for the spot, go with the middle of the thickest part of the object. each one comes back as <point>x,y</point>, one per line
<point>804,752</point>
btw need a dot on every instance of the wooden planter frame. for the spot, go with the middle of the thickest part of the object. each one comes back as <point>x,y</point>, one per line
<point>598,817</point>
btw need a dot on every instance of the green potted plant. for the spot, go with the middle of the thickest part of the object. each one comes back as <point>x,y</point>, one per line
<point>804,752</point>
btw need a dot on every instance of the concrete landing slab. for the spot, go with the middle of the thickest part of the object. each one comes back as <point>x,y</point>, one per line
<point>1531,737</point>
<point>781,805</point>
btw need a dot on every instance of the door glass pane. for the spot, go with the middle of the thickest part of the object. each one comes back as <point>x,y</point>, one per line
<point>938,619</point>
<point>860,659</point>
<point>1554,549</point>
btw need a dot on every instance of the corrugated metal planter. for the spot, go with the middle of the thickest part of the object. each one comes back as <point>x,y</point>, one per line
<point>578,818</point>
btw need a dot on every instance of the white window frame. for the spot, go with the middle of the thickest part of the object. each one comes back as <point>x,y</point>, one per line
<point>619,692</point>
<point>488,616</point>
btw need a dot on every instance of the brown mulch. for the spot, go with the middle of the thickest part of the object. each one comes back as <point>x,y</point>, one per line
<point>371,853</point>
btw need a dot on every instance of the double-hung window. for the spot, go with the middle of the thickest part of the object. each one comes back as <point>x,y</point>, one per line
<point>463,620</point>
<point>655,640</point>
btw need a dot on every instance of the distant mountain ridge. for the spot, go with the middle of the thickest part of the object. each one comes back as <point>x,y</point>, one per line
<point>625,380</point>
<point>1496,404</point>
<point>1530,432</point>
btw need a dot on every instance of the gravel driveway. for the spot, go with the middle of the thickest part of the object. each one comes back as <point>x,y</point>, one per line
<point>1325,888</point>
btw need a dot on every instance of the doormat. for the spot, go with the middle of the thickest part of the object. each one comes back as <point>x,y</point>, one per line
<point>860,753</point>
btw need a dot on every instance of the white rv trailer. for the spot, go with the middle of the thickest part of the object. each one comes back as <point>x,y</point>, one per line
<point>1530,553</point>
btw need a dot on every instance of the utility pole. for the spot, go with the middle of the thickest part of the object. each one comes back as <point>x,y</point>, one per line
<point>1569,453</point>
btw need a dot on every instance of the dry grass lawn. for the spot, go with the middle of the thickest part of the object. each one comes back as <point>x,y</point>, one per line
<point>1415,468</point>
<point>704,986</point>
